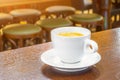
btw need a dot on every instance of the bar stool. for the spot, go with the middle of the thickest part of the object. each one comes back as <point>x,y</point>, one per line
<point>27,15</point>
<point>88,20</point>
<point>58,11</point>
<point>49,24</point>
<point>20,35</point>
<point>5,19</point>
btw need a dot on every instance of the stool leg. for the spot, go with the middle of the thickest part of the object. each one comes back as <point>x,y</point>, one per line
<point>20,43</point>
<point>43,36</point>
<point>38,39</point>
<point>9,44</point>
<point>1,43</point>
<point>100,26</point>
<point>74,23</point>
<point>48,37</point>
<point>93,28</point>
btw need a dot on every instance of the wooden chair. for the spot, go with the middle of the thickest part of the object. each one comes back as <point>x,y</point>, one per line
<point>59,11</point>
<point>27,15</point>
<point>21,35</point>
<point>49,24</point>
<point>5,19</point>
<point>88,20</point>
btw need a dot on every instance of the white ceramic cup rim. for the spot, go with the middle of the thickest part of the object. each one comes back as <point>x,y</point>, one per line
<point>62,29</point>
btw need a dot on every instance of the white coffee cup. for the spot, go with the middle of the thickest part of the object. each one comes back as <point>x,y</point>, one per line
<point>72,49</point>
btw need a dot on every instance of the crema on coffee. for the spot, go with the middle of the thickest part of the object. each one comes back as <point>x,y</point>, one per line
<point>70,34</point>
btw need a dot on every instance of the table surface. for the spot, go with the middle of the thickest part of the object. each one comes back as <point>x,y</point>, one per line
<point>24,64</point>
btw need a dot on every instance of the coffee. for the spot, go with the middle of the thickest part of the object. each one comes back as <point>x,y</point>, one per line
<point>70,34</point>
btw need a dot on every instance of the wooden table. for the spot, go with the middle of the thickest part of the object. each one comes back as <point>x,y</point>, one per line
<point>24,64</point>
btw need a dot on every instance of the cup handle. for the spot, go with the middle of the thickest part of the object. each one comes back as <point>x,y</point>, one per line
<point>93,44</point>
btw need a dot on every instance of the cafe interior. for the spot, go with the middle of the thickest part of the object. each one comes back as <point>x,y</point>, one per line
<point>25,23</point>
<point>29,50</point>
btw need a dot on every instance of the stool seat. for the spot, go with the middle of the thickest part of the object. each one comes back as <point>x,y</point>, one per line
<point>86,17</point>
<point>21,29</point>
<point>5,19</point>
<point>49,24</point>
<point>21,12</point>
<point>52,23</point>
<point>5,16</point>
<point>60,8</point>
<point>26,15</point>
<point>93,21</point>
<point>59,11</point>
<point>21,35</point>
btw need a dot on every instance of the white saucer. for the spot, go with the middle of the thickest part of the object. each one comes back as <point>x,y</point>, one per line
<point>51,59</point>
<point>71,70</point>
